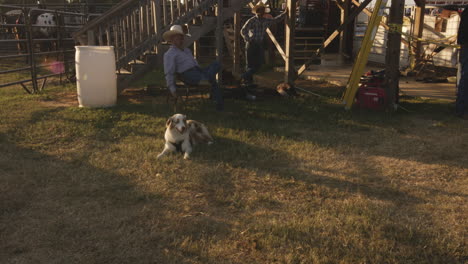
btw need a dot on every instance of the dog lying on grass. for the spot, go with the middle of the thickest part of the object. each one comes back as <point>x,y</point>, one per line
<point>182,134</point>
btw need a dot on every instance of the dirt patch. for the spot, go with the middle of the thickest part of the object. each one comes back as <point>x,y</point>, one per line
<point>63,99</point>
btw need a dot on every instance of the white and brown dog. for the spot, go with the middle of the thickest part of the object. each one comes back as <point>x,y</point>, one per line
<point>181,134</point>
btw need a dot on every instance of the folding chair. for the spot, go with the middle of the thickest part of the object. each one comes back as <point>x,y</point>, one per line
<point>187,91</point>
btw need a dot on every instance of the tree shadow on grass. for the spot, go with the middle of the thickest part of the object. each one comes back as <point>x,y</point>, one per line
<point>273,162</point>
<point>53,210</point>
<point>391,222</point>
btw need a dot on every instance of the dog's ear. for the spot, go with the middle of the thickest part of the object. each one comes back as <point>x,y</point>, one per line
<point>169,123</point>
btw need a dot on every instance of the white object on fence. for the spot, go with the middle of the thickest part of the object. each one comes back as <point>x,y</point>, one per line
<point>96,76</point>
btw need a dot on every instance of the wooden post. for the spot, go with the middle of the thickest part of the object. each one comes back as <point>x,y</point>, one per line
<point>344,34</point>
<point>220,37</point>
<point>418,32</point>
<point>157,19</point>
<point>237,50</point>
<point>392,58</point>
<point>289,70</point>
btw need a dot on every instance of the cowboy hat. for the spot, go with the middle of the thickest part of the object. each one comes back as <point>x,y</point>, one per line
<point>175,30</point>
<point>258,6</point>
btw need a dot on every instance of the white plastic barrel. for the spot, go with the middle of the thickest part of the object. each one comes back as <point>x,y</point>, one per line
<point>95,76</point>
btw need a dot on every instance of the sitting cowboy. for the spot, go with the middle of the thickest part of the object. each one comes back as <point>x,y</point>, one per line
<point>180,61</point>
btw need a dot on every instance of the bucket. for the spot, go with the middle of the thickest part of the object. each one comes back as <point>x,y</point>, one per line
<point>95,76</point>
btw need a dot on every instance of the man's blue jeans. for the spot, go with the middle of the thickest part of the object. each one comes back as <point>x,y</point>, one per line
<point>461,105</point>
<point>195,75</point>
<point>254,60</point>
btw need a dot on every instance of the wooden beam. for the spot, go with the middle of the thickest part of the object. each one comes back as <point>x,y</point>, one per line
<point>277,45</point>
<point>340,4</point>
<point>237,49</point>
<point>289,70</point>
<point>420,2</point>
<point>392,58</point>
<point>344,33</point>
<point>418,32</point>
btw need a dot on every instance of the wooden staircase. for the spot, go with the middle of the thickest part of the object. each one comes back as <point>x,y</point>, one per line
<point>311,29</point>
<point>135,27</point>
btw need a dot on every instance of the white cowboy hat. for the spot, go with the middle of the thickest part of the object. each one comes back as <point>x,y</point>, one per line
<point>175,30</point>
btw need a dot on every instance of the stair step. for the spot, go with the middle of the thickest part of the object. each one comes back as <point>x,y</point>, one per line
<point>305,51</point>
<point>299,29</point>
<point>302,58</point>
<point>133,62</point>
<point>308,44</point>
<point>306,38</point>
<point>124,72</point>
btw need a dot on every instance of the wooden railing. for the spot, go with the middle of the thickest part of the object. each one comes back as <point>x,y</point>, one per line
<point>135,26</point>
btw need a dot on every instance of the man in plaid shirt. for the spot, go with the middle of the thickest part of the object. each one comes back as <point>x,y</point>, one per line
<point>253,33</point>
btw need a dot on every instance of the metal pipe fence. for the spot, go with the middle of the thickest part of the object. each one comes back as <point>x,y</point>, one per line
<point>36,44</point>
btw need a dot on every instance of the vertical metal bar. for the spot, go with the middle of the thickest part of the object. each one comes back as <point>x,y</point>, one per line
<point>100,40</point>
<point>60,44</point>
<point>148,18</point>
<point>158,25</point>
<point>108,36</point>
<point>124,34</point>
<point>142,24</point>
<point>30,44</point>
<point>178,7</point>
<point>91,38</point>
<point>219,37</point>
<point>172,11</point>
<point>237,50</point>
<point>116,39</point>
<point>164,2</point>
<point>44,83</point>
<point>130,30</point>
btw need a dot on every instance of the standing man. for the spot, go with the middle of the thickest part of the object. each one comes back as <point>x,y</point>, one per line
<point>179,62</point>
<point>253,33</point>
<point>461,104</point>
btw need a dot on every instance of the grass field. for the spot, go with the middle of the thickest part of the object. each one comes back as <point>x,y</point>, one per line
<point>287,181</point>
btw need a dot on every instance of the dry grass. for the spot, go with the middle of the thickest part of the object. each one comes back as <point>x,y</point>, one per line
<point>287,181</point>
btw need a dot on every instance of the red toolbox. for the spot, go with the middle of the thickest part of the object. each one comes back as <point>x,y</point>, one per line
<point>371,94</point>
<point>369,97</point>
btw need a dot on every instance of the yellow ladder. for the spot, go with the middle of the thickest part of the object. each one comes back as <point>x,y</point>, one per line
<point>363,55</point>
